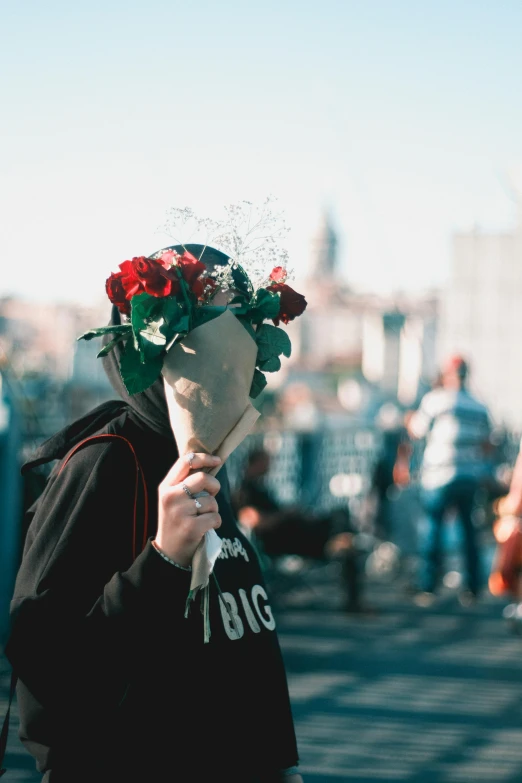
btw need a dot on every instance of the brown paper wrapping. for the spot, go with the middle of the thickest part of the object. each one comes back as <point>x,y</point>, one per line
<point>207,383</point>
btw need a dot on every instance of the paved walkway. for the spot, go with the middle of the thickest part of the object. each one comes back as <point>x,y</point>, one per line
<point>409,695</point>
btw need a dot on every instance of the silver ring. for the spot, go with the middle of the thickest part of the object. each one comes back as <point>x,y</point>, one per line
<point>190,457</point>
<point>187,491</point>
<point>198,505</point>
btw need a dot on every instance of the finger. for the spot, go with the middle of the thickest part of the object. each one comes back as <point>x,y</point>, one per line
<point>186,507</point>
<point>202,486</point>
<point>201,482</point>
<point>187,463</point>
<point>196,527</point>
<point>207,505</point>
<point>209,521</point>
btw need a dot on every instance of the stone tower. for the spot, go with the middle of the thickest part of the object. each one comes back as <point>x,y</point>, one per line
<point>325,262</point>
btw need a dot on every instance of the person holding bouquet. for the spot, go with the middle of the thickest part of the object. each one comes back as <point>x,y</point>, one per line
<point>142,634</point>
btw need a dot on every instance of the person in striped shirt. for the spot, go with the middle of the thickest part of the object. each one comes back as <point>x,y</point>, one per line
<point>456,428</point>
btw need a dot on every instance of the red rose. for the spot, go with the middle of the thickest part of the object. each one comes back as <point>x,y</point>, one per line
<point>130,281</point>
<point>116,292</point>
<point>168,258</point>
<point>190,267</point>
<point>278,274</point>
<point>145,274</point>
<point>198,288</point>
<point>203,287</point>
<point>152,274</point>
<point>291,303</point>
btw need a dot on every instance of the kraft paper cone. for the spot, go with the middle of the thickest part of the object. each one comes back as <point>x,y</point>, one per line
<point>207,384</point>
<point>207,381</point>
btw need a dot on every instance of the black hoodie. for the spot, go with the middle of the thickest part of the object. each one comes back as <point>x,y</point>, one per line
<point>115,684</point>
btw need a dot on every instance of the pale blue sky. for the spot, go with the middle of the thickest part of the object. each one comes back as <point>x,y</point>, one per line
<point>403,115</point>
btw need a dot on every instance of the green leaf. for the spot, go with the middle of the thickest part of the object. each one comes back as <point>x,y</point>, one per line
<point>152,340</point>
<point>153,332</point>
<point>122,329</point>
<point>242,282</point>
<point>272,341</point>
<point>105,351</point>
<point>155,322</point>
<point>186,293</point>
<point>172,311</point>
<point>179,327</point>
<point>258,384</point>
<point>135,375</point>
<point>144,307</point>
<point>206,313</point>
<point>182,326</point>
<point>266,305</point>
<point>270,365</point>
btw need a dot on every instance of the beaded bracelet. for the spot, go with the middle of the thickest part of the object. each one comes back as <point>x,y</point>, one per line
<point>168,560</point>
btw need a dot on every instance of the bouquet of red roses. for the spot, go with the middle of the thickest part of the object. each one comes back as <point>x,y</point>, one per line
<point>208,332</point>
<point>168,295</point>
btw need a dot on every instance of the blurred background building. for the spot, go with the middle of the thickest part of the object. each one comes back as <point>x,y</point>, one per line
<point>481,317</point>
<point>354,351</point>
<point>54,378</point>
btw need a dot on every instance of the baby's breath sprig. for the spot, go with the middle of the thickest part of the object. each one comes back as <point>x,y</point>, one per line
<point>249,234</point>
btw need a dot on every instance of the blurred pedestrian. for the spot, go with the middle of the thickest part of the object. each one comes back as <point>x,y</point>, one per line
<point>392,468</point>
<point>506,572</point>
<point>298,531</point>
<point>457,430</point>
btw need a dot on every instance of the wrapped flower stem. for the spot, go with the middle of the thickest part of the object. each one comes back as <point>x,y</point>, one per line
<point>207,380</point>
